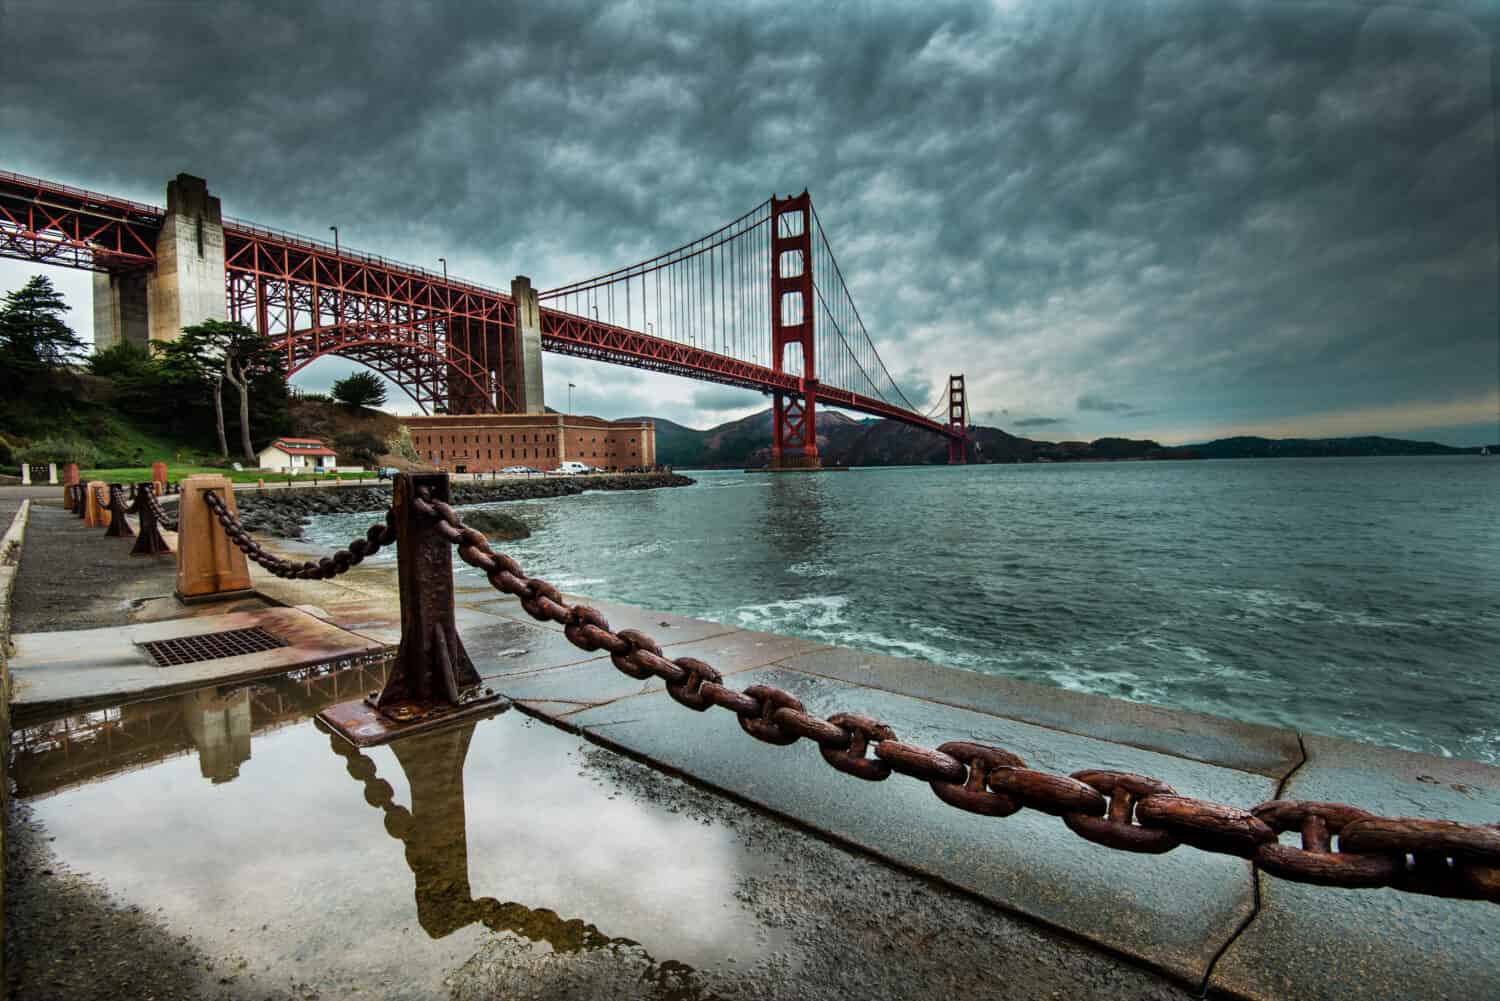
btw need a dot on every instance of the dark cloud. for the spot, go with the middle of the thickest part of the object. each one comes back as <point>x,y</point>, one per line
<point>1089,401</point>
<point>1241,212</point>
<point>1038,422</point>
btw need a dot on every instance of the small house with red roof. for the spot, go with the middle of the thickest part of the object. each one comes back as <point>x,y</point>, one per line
<point>298,455</point>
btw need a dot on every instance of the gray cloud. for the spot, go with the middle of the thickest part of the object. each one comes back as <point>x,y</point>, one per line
<point>1241,212</point>
<point>1038,422</point>
<point>1089,401</point>
<point>720,398</point>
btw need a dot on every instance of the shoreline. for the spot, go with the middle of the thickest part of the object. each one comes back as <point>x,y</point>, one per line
<point>285,513</point>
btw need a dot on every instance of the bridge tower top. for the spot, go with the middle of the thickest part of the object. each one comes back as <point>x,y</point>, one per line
<point>794,419</point>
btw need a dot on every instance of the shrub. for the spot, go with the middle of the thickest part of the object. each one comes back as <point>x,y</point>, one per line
<point>60,449</point>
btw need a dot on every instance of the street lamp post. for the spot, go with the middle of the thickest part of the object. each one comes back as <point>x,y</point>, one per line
<point>570,397</point>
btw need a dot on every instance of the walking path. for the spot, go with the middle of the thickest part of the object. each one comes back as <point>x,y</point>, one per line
<point>1202,919</point>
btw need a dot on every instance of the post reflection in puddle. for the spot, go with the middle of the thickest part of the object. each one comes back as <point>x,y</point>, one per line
<point>287,872</point>
<point>436,839</point>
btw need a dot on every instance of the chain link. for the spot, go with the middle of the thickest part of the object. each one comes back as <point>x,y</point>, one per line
<point>157,511</point>
<point>378,534</point>
<point>1120,810</point>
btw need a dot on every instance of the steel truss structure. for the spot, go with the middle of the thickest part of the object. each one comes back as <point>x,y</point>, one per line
<point>56,224</point>
<point>759,303</point>
<point>449,345</point>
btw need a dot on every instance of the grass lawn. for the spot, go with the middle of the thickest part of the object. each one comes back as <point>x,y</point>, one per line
<point>175,472</point>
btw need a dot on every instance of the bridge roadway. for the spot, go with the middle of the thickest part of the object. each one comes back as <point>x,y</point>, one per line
<point>1075,920</point>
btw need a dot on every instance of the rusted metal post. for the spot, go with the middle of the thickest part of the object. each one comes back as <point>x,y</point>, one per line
<point>119,524</point>
<point>209,566</point>
<point>149,542</point>
<point>432,682</point>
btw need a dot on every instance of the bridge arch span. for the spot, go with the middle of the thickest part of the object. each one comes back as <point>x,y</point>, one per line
<point>433,373</point>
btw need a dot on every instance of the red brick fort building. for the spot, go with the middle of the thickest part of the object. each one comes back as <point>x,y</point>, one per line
<point>482,443</point>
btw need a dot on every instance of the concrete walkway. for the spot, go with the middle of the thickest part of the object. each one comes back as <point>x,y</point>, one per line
<point>1207,921</point>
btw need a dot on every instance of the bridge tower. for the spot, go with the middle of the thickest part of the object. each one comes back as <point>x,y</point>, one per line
<point>794,429</point>
<point>958,421</point>
<point>186,285</point>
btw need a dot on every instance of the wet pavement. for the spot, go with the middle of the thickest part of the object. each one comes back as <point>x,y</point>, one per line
<point>554,867</point>
<point>497,858</point>
<point>73,577</point>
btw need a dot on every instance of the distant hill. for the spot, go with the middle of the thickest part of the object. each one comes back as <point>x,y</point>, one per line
<point>1286,448</point>
<point>746,443</point>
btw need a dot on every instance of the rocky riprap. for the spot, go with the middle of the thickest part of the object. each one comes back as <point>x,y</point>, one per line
<point>284,512</point>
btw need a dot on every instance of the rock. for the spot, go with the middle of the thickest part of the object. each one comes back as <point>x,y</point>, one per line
<point>285,512</point>
<point>497,526</point>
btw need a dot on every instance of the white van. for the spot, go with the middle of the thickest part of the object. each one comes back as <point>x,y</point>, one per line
<point>574,467</point>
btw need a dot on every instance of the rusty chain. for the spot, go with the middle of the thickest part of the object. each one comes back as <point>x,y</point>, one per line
<point>382,533</point>
<point>1121,810</point>
<point>149,498</point>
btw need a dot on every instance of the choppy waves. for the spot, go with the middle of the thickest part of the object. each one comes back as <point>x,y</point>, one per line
<point>1242,589</point>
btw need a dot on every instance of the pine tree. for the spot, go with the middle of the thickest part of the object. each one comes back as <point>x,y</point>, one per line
<point>360,389</point>
<point>34,339</point>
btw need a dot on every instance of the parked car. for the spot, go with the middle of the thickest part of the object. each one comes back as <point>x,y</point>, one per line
<point>387,473</point>
<point>570,467</point>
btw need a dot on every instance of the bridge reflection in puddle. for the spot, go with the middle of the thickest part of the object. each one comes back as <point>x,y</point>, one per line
<point>260,848</point>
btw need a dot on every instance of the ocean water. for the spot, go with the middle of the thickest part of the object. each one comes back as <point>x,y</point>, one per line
<point>1351,597</point>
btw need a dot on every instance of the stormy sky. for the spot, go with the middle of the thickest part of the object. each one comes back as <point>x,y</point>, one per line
<point>1169,220</point>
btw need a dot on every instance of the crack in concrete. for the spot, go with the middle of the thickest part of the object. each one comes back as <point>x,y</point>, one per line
<point>1208,974</point>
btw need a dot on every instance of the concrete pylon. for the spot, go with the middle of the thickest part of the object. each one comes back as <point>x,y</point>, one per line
<point>188,284</point>
<point>523,372</point>
<point>209,566</point>
<point>122,309</point>
<point>95,515</point>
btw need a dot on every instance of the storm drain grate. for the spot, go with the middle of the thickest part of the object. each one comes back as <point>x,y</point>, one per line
<point>212,646</point>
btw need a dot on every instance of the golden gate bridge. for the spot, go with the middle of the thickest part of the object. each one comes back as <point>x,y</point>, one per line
<point>759,303</point>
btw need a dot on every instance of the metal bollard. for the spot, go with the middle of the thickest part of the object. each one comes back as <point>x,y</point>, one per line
<point>119,524</point>
<point>149,542</point>
<point>432,682</point>
<point>209,566</point>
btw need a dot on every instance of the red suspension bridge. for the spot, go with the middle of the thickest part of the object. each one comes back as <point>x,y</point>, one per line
<point>759,303</point>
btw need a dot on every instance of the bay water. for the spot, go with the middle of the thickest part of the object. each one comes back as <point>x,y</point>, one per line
<point>1351,597</point>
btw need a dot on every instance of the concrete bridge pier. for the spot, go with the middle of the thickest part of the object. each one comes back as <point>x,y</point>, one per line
<point>522,373</point>
<point>187,285</point>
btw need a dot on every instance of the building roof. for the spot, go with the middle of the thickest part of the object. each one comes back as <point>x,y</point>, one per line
<point>302,446</point>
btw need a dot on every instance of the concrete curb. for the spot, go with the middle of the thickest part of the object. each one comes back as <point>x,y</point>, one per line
<point>10,564</point>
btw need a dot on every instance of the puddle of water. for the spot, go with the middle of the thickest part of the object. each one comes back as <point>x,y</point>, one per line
<point>239,822</point>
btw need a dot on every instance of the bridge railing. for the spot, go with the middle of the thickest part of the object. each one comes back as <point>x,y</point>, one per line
<point>434,683</point>
<point>244,227</point>
<point>81,194</point>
